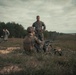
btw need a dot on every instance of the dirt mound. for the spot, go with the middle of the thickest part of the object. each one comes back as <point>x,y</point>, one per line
<point>8,50</point>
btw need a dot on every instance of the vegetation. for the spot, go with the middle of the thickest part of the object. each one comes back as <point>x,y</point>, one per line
<point>18,62</point>
<point>16,30</point>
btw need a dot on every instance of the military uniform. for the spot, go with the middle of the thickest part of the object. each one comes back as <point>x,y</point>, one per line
<point>30,40</point>
<point>38,25</point>
<point>6,33</point>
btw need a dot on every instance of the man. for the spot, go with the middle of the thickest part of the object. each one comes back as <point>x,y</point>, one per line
<point>6,33</point>
<point>30,40</point>
<point>39,28</point>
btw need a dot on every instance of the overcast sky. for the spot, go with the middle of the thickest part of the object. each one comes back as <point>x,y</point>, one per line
<point>58,15</point>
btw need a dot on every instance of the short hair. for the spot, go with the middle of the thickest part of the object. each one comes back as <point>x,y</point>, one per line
<point>30,29</point>
<point>37,16</point>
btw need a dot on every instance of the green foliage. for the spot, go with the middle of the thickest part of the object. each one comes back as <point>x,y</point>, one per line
<point>16,30</point>
<point>52,35</point>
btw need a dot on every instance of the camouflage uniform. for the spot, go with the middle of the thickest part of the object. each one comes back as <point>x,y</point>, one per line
<point>38,29</point>
<point>5,34</point>
<point>30,40</point>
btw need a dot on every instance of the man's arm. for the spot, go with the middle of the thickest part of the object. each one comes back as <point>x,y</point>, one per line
<point>33,25</point>
<point>37,40</point>
<point>8,32</point>
<point>44,27</point>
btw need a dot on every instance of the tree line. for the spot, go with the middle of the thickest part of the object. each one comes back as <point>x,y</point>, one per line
<point>17,30</point>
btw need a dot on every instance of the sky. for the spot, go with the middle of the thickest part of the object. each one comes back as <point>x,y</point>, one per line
<point>58,15</point>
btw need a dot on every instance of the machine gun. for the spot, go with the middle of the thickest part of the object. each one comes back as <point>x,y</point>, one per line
<point>48,47</point>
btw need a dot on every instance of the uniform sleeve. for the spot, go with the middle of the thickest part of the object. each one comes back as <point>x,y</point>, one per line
<point>33,25</point>
<point>37,40</point>
<point>44,27</point>
<point>8,33</point>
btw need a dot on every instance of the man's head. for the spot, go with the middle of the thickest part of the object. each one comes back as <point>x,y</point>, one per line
<point>38,18</point>
<point>30,30</point>
<point>4,29</point>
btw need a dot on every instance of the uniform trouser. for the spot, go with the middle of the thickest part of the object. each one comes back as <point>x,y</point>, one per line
<point>37,46</point>
<point>40,36</point>
<point>5,37</point>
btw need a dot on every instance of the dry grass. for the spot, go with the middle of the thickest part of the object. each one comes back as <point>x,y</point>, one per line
<point>17,62</point>
<point>10,69</point>
<point>8,50</point>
